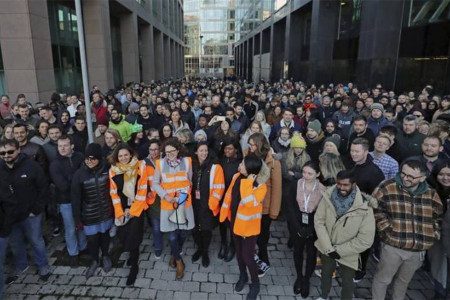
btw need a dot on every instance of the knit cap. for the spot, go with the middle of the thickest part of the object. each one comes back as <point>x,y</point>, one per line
<point>377,106</point>
<point>316,126</point>
<point>93,151</point>
<point>200,132</point>
<point>335,139</point>
<point>298,141</point>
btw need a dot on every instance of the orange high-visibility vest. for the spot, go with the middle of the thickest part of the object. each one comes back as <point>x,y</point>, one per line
<point>174,183</point>
<point>249,212</point>
<point>139,204</point>
<point>216,188</point>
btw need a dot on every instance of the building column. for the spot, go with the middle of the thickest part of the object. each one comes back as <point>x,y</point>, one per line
<point>173,58</point>
<point>324,22</point>
<point>26,49</point>
<point>158,46</point>
<point>148,53</point>
<point>130,47</point>
<point>167,58</point>
<point>97,31</point>
<point>379,39</point>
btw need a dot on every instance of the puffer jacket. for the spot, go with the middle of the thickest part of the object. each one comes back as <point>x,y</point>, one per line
<point>270,174</point>
<point>91,202</point>
<point>61,174</point>
<point>349,235</point>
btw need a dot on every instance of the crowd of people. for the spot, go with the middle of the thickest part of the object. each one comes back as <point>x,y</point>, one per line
<point>354,172</point>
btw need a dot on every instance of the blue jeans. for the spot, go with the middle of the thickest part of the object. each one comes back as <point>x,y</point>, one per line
<point>3,245</point>
<point>75,239</point>
<point>31,228</point>
<point>176,241</point>
<point>157,234</point>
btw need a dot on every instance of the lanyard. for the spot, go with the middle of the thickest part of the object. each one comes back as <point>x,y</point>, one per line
<point>306,199</point>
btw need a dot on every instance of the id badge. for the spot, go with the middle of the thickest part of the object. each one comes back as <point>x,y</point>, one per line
<point>305,218</point>
<point>197,194</point>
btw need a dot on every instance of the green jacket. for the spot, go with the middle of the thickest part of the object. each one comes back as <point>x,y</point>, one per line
<point>348,235</point>
<point>124,129</point>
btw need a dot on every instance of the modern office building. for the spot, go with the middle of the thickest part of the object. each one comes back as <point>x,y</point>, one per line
<point>402,44</point>
<point>209,37</point>
<point>126,40</point>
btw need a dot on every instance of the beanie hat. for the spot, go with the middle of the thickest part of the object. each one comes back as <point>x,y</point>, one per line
<point>316,126</point>
<point>298,141</point>
<point>94,151</point>
<point>102,121</point>
<point>335,139</point>
<point>377,106</point>
<point>200,132</point>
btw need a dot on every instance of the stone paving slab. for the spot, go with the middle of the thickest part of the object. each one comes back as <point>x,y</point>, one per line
<point>157,281</point>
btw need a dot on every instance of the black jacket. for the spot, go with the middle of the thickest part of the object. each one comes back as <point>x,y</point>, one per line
<point>315,148</point>
<point>91,202</point>
<point>188,117</point>
<point>80,139</point>
<point>230,167</point>
<point>35,152</point>
<point>368,176</point>
<point>61,173</point>
<point>204,217</point>
<point>368,135</point>
<point>22,187</point>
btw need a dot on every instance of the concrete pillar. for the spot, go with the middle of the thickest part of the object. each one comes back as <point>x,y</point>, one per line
<point>130,47</point>
<point>26,49</point>
<point>379,39</point>
<point>324,22</point>
<point>158,46</point>
<point>148,53</point>
<point>173,59</point>
<point>98,43</point>
<point>167,58</point>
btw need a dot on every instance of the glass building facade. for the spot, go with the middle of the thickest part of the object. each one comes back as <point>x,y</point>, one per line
<point>402,44</point>
<point>209,37</point>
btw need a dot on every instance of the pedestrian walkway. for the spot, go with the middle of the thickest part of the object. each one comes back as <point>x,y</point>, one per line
<point>157,281</point>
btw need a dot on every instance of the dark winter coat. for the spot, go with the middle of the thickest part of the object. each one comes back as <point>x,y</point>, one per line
<point>80,139</point>
<point>23,188</point>
<point>91,202</point>
<point>61,173</point>
<point>367,183</point>
<point>315,147</point>
<point>204,217</point>
<point>35,152</point>
<point>409,144</point>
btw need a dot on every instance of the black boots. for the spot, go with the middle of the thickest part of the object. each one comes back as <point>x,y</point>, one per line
<point>298,286</point>
<point>230,254</point>
<point>205,259</point>
<point>223,251</point>
<point>254,291</point>
<point>243,279</point>
<point>196,256</point>
<point>133,274</point>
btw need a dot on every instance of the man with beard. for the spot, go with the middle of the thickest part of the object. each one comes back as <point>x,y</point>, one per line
<point>314,140</point>
<point>79,135</point>
<point>345,226</point>
<point>118,123</point>
<point>361,131</point>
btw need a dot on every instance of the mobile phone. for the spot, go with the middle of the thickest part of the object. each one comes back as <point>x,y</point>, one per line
<point>221,118</point>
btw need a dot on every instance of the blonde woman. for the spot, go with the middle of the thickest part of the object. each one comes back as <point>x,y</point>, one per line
<point>294,159</point>
<point>261,118</point>
<point>330,161</point>
<point>255,127</point>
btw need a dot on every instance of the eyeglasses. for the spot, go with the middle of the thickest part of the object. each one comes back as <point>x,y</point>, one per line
<point>90,159</point>
<point>153,150</point>
<point>9,152</point>
<point>171,151</point>
<point>417,115</point>
<point>410,177</point>
<point>251,145</point>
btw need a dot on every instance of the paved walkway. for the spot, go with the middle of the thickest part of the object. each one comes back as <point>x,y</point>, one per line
<point>157,281</point>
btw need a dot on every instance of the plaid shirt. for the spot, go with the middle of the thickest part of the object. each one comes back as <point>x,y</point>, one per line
<point>407,221</point>
<point>387,165</point>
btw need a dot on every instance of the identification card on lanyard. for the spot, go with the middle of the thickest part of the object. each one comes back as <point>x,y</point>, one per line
<point>197,194</point>
<point>305,215</point>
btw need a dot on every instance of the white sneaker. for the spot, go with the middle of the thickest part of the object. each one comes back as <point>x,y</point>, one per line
<point>113,231</point>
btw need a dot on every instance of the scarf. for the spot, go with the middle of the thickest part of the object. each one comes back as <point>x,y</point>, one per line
<point>342,204</point>
<point>130,172</point>
<point>284,143</point>
<point>174,164</point>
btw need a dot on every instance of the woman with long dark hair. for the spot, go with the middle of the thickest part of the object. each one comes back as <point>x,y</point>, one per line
<point>259,145</point>
<point>243,206</point>
<point>208,187</point>
<point>128,190</point>
<point>165,132</point>
<point>439,261</point>
<point>41,136</point>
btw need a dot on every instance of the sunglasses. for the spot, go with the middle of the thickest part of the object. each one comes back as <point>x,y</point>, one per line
<point>9,152</point>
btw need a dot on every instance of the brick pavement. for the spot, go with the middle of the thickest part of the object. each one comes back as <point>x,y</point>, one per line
<point>157,281</point>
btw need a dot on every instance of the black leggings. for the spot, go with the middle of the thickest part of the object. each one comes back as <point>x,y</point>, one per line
<point>225,228</point>
<point>245,249</point>
<point>202,239</point>
<point>263,239</point>
<point>300,244</point>
<point>96,242</point>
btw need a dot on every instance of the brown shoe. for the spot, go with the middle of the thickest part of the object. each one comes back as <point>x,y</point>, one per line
<point>180,269</point>
<point>172,262</point>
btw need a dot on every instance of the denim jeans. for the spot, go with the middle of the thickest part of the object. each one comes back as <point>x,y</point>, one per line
<point>176,241</point>
<point>75,239</point>
<point>31,228</point>
<point>157,234</point>
<point>3,245</point>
